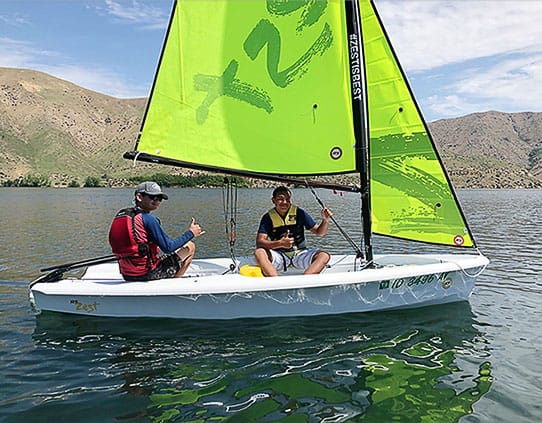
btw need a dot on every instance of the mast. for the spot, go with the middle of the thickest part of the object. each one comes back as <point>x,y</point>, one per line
<point>359,114</point>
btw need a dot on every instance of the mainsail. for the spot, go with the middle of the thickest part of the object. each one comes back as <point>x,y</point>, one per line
<point>254,86</point>
<point>268,87</point>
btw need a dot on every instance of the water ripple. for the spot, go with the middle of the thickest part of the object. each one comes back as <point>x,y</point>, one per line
<point>480,358</point>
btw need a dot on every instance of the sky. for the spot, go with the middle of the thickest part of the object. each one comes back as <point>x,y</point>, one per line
<point>460,56</point>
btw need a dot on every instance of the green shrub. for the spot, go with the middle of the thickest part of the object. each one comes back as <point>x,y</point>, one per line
<point>34,181</point>
<point>184,181</point>
<point>92,182</point>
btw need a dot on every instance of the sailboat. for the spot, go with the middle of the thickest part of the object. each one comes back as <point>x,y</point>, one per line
<point>288,91</point>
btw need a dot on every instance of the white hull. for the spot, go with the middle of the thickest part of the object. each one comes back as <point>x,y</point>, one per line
<point>402,281</point>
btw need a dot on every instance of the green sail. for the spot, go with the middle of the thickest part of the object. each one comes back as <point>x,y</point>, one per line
<point>411,197</point>
<point>263,86</point>
<point>256,86</point>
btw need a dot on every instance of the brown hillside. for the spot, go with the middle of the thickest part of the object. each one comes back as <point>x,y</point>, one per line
<point>492,149</point>
<point>55,128</point>
<point>50,126</point>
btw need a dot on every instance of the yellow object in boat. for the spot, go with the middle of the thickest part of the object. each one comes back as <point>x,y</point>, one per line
<point>253,271</point>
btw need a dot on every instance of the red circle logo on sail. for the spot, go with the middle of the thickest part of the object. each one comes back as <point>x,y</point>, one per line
<point>336,153</point>
<point>459,240</point>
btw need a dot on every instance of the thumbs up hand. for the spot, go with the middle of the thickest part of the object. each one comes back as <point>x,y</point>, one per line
<point>195,228</point>
<point>287,241</point>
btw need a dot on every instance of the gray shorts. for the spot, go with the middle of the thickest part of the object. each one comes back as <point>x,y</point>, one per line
<point>168,268</point>
<point>300,260</point>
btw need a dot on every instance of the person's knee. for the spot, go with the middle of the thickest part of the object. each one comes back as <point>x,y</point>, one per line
<point>260,253</point>
<point>191,247</point>
<point>323,256</point>
<point>186,251</point>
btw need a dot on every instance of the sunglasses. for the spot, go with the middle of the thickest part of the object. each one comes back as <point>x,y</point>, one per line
<point>154,197</point>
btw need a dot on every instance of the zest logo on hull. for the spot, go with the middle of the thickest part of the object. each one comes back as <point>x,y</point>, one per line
<point>89,308</point>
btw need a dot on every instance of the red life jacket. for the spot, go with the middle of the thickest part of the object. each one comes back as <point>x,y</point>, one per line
<point>129,242</point>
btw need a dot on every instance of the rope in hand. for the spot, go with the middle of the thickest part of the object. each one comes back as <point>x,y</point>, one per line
<point>347,237</point>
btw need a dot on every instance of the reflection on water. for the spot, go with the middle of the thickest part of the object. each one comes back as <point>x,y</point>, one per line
<point>430,364</point>
<point>367,366</point>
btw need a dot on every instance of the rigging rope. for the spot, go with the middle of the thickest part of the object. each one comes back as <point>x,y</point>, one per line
<point>135,159</point>
<point>347,237</point>
<point>476,274</point>
<point>229,201</point>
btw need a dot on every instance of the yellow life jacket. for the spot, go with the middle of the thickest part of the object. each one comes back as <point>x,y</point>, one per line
<point>289,219</point>
<point>289,223</point>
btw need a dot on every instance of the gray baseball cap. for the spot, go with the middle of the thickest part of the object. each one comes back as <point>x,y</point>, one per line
<point>150,188</point>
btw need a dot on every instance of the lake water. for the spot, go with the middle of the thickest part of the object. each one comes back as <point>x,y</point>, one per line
<point>476,361</point>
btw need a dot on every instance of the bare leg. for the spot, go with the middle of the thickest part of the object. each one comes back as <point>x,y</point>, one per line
<point>186,254</point>
<point>320,260</point>
<point>263,257</point>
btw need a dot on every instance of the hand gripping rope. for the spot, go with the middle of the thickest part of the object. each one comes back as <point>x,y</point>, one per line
<point>355,247</point>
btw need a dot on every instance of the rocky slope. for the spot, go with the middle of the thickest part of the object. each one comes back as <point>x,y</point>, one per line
<point>492,149</point>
